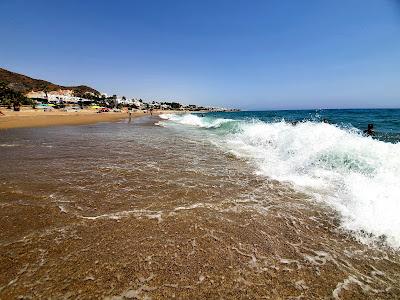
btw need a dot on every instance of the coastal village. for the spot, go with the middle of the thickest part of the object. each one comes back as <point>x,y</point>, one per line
<point>19,91</point>
<point>68,99</point>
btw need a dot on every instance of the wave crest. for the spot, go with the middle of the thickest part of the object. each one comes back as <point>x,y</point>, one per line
<point>194,120</point>
<point>356,175</point>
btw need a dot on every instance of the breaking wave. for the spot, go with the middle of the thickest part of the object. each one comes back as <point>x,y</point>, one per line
<point>356,175</point>
<point>194,120</point>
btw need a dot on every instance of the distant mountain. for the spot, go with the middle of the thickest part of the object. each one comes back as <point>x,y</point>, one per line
<point>24,84</point>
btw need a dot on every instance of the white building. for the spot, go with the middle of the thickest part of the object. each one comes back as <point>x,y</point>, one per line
<point>57,98</point>
<point>124,101</point>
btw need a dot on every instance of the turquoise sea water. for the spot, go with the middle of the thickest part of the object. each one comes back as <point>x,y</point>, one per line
<point>386,121</point>
<point>332,161</point>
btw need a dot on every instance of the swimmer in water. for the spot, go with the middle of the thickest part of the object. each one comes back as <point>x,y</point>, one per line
<point>370,130</point>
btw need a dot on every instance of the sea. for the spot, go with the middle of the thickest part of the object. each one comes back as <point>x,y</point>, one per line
<point>233,205</point>
<point>324,153</point>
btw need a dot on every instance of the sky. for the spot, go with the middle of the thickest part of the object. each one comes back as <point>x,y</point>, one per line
<point>252,55</point>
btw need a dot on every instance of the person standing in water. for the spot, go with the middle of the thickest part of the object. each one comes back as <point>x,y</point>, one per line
<point>130,113</point>
<point>370,130</point>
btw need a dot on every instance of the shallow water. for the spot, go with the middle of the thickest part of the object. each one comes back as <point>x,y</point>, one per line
<point>135,210</point>
<point>336,164</point>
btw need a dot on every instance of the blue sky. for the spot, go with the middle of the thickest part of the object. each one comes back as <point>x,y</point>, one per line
<point>246,54</point>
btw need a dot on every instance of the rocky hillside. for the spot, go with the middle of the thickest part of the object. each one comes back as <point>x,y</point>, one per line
<point>24,84</point>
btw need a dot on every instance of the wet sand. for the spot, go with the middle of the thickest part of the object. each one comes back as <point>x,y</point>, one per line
<point>136,211</point>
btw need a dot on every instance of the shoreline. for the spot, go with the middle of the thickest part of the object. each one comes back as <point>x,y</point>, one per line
<point>114,209</point>
<point>28,118</point>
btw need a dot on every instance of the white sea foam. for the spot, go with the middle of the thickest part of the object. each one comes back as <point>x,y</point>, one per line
<point>165,116</point>
<point>356,175</point>
<point>194,120</point>
<point>126,213</point>
<point>159,124</point>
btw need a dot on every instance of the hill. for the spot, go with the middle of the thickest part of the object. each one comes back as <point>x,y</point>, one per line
<point>24,84</point>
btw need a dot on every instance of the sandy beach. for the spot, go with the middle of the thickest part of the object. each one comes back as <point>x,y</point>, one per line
<point>130,210</point>
<point>28,117</point>
<point>200,150</point>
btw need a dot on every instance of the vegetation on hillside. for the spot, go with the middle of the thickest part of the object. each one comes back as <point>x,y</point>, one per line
<point>24,84</point>
<point>9,97</point>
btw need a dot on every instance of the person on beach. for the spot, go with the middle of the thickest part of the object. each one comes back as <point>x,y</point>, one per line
<point>1,113</point>
<point>130,113</point>
<point>370,130</point>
